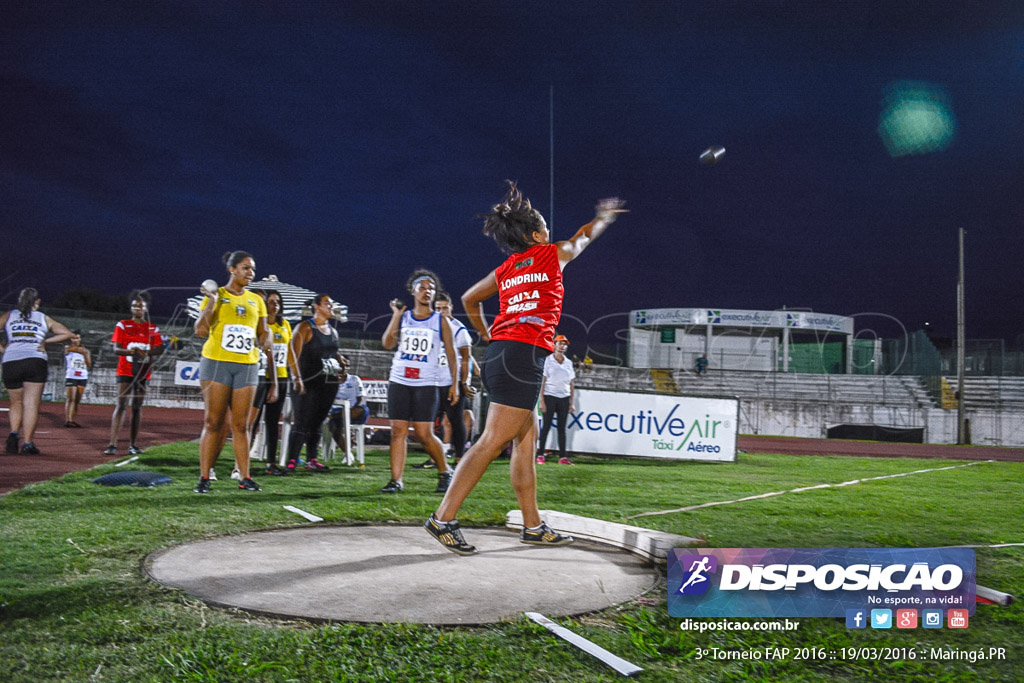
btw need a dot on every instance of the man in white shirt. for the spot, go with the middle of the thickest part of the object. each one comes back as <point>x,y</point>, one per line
<point>350,388</point>
<point>556,390</point>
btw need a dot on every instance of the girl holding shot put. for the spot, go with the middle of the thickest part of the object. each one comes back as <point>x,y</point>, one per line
<point>418,336</point>
<point>234,322</point>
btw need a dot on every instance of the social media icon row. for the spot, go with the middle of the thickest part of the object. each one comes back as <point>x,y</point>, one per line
<point>905,618</point>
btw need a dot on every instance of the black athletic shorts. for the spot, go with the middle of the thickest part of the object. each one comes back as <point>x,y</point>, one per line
<point>137,381</point>
<point>412,404</point>
<point>75,382</point>
<point>17,372</point>
<point>512,372</point>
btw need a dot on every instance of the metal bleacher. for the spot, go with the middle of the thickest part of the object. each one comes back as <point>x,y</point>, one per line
<point>894,390</point>
<point>992,393</point>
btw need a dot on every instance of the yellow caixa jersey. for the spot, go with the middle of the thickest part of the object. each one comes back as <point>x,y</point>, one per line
<point>281,336</point>
<point>233,333</point>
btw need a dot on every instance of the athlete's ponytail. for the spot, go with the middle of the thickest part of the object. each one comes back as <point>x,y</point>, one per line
<point>27,301</point>
<point>512,221</point>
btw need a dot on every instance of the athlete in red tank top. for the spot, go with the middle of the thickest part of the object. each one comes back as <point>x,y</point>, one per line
<point>530,294</point>
<point>529,286</point>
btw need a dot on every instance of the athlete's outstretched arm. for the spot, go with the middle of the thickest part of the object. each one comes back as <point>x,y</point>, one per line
<point>473,301</point>
<point>607,211</point>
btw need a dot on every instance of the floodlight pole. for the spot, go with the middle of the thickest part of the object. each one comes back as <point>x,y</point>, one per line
<point>551,161</point>
<point>961,417</point>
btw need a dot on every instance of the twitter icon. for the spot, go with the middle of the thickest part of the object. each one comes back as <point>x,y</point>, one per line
<point>881,618</point>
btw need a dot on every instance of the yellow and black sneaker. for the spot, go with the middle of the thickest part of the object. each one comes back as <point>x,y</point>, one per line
<point>544,535</point>
<point>449,535</point>
<point>393,486</point>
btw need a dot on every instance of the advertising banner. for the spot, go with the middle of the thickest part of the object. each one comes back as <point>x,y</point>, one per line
<point>653,425</point>
<point>866,585</point>
<point>186,373</point>
<point>375,390</point>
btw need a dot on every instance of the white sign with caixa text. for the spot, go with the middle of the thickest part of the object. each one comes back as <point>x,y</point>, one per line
<point>652,425</point>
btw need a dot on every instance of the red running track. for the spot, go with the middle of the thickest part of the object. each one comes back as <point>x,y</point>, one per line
<point>73,450</point>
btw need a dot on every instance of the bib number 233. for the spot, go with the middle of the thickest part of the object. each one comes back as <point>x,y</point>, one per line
<point>238,338</point>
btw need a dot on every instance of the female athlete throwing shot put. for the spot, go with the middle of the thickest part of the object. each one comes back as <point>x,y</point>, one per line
<point>529,287</point>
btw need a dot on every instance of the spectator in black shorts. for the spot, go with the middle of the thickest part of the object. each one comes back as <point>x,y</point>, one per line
<point>77,362</point>
<point>418,336</point>
<point>24,366</point>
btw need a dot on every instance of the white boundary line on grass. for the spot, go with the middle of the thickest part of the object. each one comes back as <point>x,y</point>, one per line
<point>804,488</point>
<point>626,668</point>
<point>308,515</point>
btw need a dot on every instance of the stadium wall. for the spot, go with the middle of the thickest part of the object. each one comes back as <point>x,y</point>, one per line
<point>812,420</point>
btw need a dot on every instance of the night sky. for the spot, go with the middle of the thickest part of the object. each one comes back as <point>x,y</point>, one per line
<point>346,143</point>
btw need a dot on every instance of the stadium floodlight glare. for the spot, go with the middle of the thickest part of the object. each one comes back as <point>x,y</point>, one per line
<point>916,119</point>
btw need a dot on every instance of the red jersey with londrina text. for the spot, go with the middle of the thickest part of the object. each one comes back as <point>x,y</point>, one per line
<point>136,335</point>
<point>530,293</point>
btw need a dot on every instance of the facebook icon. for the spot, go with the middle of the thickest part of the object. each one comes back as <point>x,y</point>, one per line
<point>856,618</point>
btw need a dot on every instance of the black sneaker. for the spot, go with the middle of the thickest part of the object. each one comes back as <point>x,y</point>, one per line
<point>249,485</point>
<point>444,480</point>
<point>29,448</point>
<point>449,535</point>
<point>428,465</point>
<point>203,486</point>
<point>134,450</point>
<point>275,470</point>
<point>545,535</point>
<point>12,444</point>
<point>110,450</point>
<point>393,487</point>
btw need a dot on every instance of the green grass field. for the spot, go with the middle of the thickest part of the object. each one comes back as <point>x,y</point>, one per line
<point>74,604</point>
